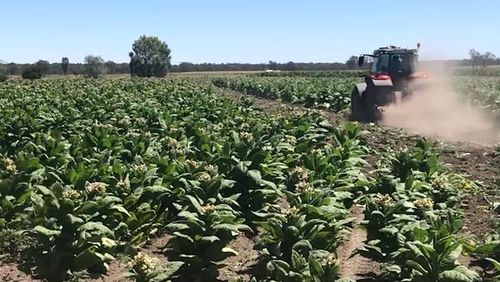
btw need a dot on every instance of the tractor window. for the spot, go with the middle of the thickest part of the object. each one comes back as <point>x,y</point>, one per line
<point>409,63</point>
<point>395,63</point>
<point>381,63</point>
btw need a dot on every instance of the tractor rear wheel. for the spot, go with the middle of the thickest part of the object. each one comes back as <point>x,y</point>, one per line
<point>369,105</point>
<point>357,109</point>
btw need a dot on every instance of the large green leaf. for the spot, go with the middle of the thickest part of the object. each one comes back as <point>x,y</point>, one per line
<point>195,203</point>
<point>88,258</point>
<point>459,274</point>
<point>315,268</point>
<point>165,272</point>
<point>45,231</point>
<point>451,255</point>
<point>96,229</point>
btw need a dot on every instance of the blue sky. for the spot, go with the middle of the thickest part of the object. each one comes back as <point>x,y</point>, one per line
<point>245,31</point>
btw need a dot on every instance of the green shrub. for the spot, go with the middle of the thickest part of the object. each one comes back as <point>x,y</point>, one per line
<point>32,72</point>
<point>3,73</point>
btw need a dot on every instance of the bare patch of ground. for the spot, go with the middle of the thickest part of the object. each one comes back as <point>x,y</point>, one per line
<point>356,267</point>
<point>239,268</point>
<point>119,267</point>
<point>116,272</point>
<point>9,271</point>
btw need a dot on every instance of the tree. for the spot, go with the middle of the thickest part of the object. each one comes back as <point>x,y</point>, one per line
<point>43,66</point>
<point>484,59</point>
<point>290,66</point>
<point>134,64</point>
<point>475,57</point>
<point>12,68</point>
<point>65,65</point>
<point>94,66</point>
<point>352,62</point>
<point>186,67</point>
<point>110,66</point>
<point>273,65</point>
<point>487,58</point>
<point>150,57</point>
<point>3,73</point>
<point>32,72</point>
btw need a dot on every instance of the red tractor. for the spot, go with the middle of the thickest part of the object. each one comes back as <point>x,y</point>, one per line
<point>391,79</point>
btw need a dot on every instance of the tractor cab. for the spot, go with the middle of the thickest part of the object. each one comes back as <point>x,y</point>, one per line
<point>392,61</point>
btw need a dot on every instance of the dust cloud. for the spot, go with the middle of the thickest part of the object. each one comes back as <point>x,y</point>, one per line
<point>436,110</point>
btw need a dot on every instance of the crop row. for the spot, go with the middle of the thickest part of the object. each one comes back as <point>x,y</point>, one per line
<point>312,74</point>
<point>481,91</point>
<point>478,72</point>
<point>330,93</point>
<point>414,223</point>
<point>92,169</point>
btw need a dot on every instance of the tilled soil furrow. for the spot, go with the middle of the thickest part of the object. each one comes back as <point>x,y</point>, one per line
<point>356,267</point>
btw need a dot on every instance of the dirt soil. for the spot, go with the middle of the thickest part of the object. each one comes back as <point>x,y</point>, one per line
<point>9,271</point>
<point>356,267</point>
<point>239,268</point>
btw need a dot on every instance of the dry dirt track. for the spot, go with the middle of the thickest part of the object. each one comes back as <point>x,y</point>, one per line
<point>480,163</point>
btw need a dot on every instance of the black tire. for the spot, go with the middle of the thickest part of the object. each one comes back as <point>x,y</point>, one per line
<point>357,109</point>
<point>369,101</point>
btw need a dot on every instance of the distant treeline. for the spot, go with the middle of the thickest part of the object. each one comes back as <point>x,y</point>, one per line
<point>75,69</point>
<point>124,68</point>
<point>290,66</point>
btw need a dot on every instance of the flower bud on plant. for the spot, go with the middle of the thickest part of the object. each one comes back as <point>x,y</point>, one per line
<point>123,185</point>
<point>424,203</point>
<point>9,165</point>
<point>192,164</point>
<point>71,194</point>
<point>246,136</point>
<point>331,260</point>
<point>291,211</point>
<point>211,169</point>
<point>441,181</point>
<point>144,263</point>
<point>203,177</point>
<point>139,168</point>
<point>105,126</point>
<point>299,174</point>
<point>125,121</point>
<point>318,152</point>
<point>140,120</point>
<point>383,200</point>
<point>303,186</point>
<point>290,139</point>
<point>170,142</point>
<point>217,126</point>
<point>96,188</point>
<point>133,134</point>
<point>208,208</point>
